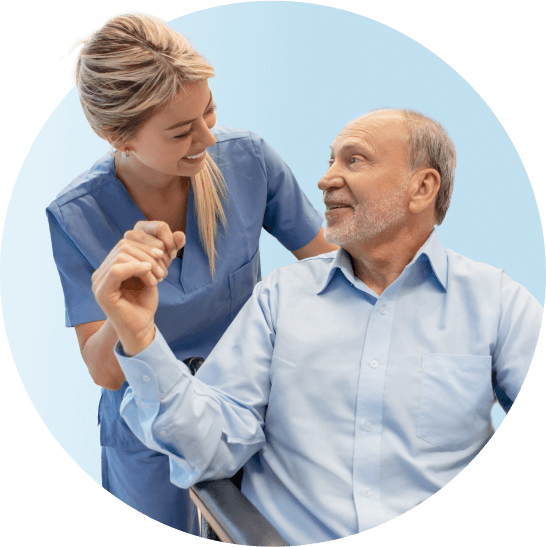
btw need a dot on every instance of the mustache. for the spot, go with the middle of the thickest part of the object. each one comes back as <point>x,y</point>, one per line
<point>331,199</point>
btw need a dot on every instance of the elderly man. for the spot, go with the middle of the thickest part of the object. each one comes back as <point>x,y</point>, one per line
<point>353,385</point>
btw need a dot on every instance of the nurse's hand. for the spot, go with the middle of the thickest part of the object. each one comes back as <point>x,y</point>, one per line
<point>125,287</point>
<point>158,234</point>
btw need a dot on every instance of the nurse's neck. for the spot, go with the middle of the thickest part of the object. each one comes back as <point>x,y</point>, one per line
<point>139,178</point>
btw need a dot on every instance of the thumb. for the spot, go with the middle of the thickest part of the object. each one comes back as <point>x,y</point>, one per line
<point>179,240</point>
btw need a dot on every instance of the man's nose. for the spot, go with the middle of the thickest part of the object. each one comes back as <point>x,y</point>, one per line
<point>331,179</point>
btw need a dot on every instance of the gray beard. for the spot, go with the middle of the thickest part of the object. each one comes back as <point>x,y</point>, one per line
<point>368,220</point>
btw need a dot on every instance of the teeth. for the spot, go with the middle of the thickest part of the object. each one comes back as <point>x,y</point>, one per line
<point>194,157</point>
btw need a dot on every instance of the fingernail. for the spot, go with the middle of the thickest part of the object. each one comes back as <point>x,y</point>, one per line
<point>173,254</point>
<point>157,252</point>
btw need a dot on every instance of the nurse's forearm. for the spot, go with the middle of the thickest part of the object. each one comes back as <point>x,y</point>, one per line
<point>97,341</point>
<point>317,246</point>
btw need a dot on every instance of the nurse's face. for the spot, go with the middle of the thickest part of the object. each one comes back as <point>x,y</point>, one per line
<point>174,140</point>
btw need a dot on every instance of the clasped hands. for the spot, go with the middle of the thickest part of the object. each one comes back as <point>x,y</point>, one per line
<point>125,285</point>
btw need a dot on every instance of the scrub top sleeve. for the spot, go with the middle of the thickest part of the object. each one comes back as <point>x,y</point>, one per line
<point>289,215</point>
<point>75,272</point>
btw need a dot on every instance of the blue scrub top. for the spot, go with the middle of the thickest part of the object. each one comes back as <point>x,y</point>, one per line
<point>92,213</point>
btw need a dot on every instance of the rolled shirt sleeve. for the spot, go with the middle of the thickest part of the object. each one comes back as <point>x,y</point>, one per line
<point>210,424</point>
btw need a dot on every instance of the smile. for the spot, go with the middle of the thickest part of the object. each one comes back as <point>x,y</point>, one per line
<point>337,206</point>
<point>195,158</point>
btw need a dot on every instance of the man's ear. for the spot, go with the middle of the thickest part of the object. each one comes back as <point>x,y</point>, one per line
<point>425,184</point>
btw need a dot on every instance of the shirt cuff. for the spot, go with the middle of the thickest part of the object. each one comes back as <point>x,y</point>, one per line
<point>153,372</point>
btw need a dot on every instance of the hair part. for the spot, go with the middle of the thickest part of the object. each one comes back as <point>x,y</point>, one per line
<point>128,70</point>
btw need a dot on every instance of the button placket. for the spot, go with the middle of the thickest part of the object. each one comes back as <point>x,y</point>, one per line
<point>369,412</point>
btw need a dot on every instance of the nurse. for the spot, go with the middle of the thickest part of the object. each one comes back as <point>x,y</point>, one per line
<point>144,89</point>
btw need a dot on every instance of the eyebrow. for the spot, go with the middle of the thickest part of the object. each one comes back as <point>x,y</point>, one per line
<point>186,122</point>
<point>351,147</point>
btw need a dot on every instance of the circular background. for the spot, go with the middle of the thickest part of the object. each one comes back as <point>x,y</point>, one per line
<point>294,73</point>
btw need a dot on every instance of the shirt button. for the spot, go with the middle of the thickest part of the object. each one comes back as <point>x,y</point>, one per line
<point>368,426</point>
<point>145,378</point>
<point>374,363</point>
<point>383,310</point>
<point>367,492</point>
<point>163,433</point>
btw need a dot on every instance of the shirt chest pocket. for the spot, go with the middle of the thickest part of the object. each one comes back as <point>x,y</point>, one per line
<point>456,400</point>
<point>241,283</point>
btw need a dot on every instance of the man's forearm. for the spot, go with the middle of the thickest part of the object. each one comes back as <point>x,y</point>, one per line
<point>172,412</point>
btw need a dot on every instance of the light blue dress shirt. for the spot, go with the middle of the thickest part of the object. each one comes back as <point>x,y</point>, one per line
<point>350,408</point>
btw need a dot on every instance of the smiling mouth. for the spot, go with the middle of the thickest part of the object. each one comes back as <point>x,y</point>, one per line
<point>332,207</point>
<point>194,159</point>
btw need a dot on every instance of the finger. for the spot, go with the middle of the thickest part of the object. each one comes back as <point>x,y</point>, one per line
<point>160,230</point>
<point>147,253</point>
<point>107,288</point>
<point>179,239</point>
<point>122,272</point>
<point>148,279</point>
<point>158,269</point>
<point>138,236</point>
<point>163,259</point>
<point>126,254</point>
<point>142,237</point>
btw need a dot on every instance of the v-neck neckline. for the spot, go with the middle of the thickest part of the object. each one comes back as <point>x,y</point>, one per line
<point>195,272</point>
<point>195,266</point>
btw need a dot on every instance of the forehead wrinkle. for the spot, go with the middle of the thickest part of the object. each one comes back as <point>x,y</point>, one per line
<point>353,136</point>
<point>352,146</point>
<point>377,130</point>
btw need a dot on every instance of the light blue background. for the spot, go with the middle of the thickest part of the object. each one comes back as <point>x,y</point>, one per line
<point>294,73</point>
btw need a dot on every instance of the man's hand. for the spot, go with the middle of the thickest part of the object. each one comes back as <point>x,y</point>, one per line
<point>125,285</point>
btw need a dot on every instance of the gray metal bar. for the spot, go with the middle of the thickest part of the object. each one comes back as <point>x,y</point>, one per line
<point>232,516</point>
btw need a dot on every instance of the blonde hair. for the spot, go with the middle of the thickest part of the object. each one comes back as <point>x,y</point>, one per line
<point>127,71</point>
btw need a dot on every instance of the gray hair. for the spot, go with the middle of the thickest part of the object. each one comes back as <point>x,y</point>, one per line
<point>429,145</point>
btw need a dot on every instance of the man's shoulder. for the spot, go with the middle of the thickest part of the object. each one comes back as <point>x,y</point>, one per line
<point>308,273</point>
<point>460,264</point>
<point>483,277</point>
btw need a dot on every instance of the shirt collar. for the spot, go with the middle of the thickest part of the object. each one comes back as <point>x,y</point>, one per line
<point>431,252</point>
